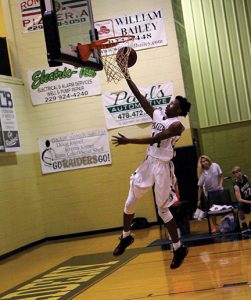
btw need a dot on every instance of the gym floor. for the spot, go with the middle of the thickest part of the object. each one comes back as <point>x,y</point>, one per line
<point>84,268</point>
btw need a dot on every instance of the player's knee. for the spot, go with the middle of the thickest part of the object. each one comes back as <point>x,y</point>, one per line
<point>130,204</point>
<point>129,208</point>
<point>165,214</point>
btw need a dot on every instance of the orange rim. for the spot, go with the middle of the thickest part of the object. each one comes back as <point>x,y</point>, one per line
<point>86,50</point>
<point>104,43</point>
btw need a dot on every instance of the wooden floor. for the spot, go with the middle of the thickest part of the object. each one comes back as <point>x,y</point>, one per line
<point>214,271</point>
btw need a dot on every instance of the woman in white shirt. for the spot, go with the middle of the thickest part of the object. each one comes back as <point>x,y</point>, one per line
<point>210,179</point>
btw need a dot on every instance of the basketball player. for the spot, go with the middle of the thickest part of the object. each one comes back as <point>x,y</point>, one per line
<point>156,169</point>
<point>242,191</point>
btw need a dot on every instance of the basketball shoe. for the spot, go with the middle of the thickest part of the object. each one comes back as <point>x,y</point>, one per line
<point>178,256</point>
<point>244,228</point>
<point>124,243</point>
<point>249,225</point>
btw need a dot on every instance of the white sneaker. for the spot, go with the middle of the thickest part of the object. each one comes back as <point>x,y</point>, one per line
<point>197,213</point>
<point>226,207</point>
<point>215,207</point>
<point>202,215</point>
<point>219,207</point>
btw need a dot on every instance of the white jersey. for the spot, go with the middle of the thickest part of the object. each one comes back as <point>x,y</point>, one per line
<point>164,149</point>
<point>209,179</point>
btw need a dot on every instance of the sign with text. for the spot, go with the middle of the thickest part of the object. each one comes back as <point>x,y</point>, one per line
<point>69,12</point>
<point>148,28</point>
<point>62,83</point>
<point>74,150</point>
<point>123,109</point>
<point>9,137</point>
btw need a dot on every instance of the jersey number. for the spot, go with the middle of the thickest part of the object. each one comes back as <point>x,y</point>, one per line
<point>247,193</point>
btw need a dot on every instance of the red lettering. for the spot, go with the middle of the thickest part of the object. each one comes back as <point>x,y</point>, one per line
<point>26,22</point>
<point>29,3</point>
<point>23,4</point>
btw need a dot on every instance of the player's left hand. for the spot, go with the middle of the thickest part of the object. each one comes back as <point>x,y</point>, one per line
<point>120,140</point>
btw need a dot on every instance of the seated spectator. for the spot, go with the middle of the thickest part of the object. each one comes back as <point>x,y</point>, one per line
<point>210,179</point>
<point>242,191</point>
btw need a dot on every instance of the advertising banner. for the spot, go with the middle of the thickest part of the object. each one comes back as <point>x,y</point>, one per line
<point>74,150</point>
<point>9,137</point>
<point>148,28</point>
<point>69,12</point>
<point>123,109</point>
<point>49,85</point>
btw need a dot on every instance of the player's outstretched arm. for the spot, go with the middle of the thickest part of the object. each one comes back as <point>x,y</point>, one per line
<point>123,140</point>
<point>175,129</point>
<point>142,100</point>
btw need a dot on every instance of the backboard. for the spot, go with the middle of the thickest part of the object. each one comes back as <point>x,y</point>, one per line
<point>67,23</point>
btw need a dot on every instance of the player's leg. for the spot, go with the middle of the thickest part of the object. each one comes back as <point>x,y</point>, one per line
<point>126,239</point>
<point>248,212</point>
<point>244,226</point>
<point>244,209</point>
<point>180,251</point>
<point>164,198</point>
<point>141,181</point>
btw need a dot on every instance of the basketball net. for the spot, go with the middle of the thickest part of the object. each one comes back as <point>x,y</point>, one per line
<point>107,50</point>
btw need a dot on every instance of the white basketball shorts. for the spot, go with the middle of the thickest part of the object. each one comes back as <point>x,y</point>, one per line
<point>153,171</point>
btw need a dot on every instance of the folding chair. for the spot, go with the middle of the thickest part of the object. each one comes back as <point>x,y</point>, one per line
<point>220,197</point>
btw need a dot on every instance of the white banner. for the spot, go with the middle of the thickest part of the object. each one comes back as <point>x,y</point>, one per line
<point>69,12</point>
<point>62,83</point>
<point>123,109</point>
<point>148,28</point>
<point>74,150</point>
<point>9,137</point>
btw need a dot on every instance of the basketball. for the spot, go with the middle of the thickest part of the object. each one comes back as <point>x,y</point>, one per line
<point>132,56</point>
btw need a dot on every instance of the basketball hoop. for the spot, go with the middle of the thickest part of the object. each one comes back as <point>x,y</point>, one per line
<point>107,50</point>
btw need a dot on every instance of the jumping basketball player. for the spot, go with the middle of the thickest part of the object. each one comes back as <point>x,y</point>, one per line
<point>156,169</point>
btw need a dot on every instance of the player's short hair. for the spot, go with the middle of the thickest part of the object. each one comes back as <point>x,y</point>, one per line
<point>236,169</point>
<point>184,105</point>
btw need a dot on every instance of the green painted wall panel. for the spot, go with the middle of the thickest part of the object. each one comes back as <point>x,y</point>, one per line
<point>245,41</point>
<point>185,60</point>
<point>226,64</point>
<point>236,55</point>
<point>218,93</point>
<point>195,64</point>
<point>205,64</point>
<point>218,36</point>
